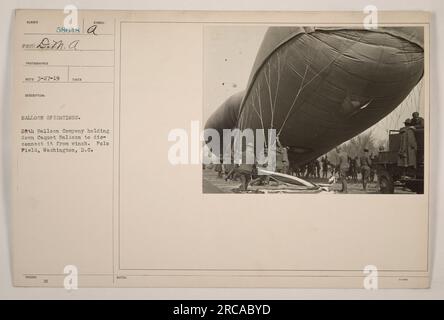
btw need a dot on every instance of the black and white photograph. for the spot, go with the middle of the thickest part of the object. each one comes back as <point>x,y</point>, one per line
<point>340,110</point>
<point>271,153</point>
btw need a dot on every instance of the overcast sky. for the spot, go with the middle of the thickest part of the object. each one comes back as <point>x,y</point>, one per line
<point>229,54</point>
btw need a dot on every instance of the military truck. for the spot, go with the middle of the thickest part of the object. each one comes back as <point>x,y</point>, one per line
<point>391,175</point>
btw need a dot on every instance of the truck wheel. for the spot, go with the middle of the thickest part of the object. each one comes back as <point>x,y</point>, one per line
<point>386,183</point>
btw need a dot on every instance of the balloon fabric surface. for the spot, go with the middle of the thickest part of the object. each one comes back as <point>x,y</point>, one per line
<point>319,87</point>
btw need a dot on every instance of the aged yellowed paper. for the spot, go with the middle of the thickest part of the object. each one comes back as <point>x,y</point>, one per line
<point>116,182</point>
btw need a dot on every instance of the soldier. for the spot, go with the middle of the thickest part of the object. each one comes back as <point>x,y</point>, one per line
<point>310,170</point>
<point>408,147</point>
<point>230,169</point>
<point>218,168</point>
<point>366,164</point>
<point>358,166</point>
<point>231,175</point>
<point>373,158</point>
<point>317,168</point>
<point>262,161</point>
<point>343,168</point>
<point>285,161</point>
<point>355,171</point>
<point>417,121</point>
<point>246,169</point>
<point>324,167</point>
<point>279,157</point>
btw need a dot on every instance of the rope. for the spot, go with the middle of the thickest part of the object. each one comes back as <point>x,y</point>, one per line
<point>312,79</point>
<point>268,82</point>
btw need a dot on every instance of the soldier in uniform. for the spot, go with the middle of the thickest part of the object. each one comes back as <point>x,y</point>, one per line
<point>352,170</point>
<point>408,147</point>
<point>366,164</point>
<point>417,121</point>
<point>317,168</point>
<point>310,169</point>
<point>343,168</point>
<point>282,162</point>
<point>285,161</point>
<point>231,175</point>
<point>218,168</point>
<point>246,169</point>
<point>324,167</point>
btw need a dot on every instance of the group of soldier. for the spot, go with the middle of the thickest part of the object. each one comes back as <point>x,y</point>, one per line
<point>407,155</point>
<point>345,166</point>
<point>248,173</point>
<point>351,166</point>
<point>323,168</point>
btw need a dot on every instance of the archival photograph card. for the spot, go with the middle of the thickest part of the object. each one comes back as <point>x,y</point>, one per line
<point>220,149</point>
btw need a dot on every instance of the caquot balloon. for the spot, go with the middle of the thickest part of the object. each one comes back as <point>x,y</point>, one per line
<point>319,87</point>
